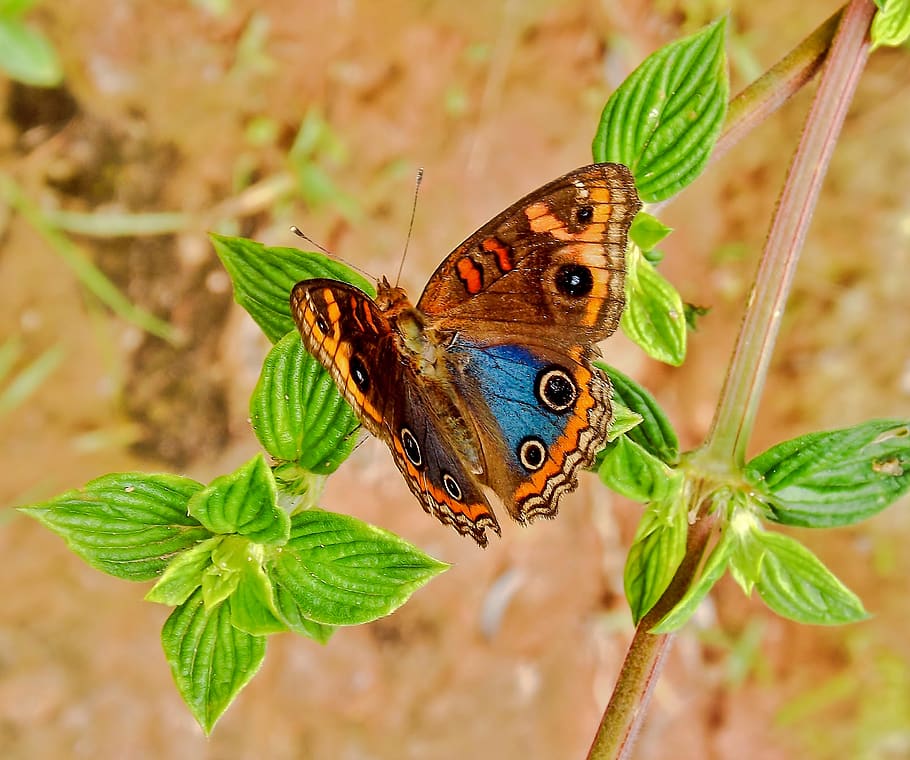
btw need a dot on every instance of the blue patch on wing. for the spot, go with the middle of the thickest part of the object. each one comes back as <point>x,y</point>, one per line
<point>506,376</point>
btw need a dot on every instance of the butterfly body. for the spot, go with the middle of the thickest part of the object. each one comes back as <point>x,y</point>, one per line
<point>484,390</point>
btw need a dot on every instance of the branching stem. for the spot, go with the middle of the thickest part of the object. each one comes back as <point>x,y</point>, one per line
<point>724,450</point>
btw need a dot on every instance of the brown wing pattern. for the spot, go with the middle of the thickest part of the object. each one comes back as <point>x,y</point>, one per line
<point>345,330</point>
<point>352,339</point>
<point>554,261</point>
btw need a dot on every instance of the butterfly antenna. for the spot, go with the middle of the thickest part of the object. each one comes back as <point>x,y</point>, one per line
<point>300,233</point>
<point>407,242</point>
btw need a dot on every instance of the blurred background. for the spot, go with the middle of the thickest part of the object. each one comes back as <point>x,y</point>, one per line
<point>120,348</point>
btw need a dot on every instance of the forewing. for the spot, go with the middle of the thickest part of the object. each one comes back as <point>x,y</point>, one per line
<point>419,421</point>
<point>552,262</point>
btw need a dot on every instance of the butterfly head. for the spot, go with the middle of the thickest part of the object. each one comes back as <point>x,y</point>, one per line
<point>391,298</point>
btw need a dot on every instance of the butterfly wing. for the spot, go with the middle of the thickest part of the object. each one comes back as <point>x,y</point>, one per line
<point>549,412</point>
<point>528,295</point>
<point>552,263</point>
<point>415,416</point>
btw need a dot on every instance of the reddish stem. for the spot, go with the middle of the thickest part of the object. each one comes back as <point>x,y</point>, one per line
<point>723,452</point>
<point>739,399</point>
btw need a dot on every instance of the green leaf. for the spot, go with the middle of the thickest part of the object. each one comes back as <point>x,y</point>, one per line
<point>229,560</point>
<point>218,583</point>
<point>113,224</point>
<point>297,412</point>
<point>217,8</point>
<point>27,56</point>
<point>655,434</point>
<point>263,278</point>
<point>10,353</point>
<point>78,259</point>
<point>658,548</point>
<point>316,137</point>
<point>184,575</point>
<point>628,469</point>
<point>210,659</point>
<point>622,421</point>
<point>796,585</point>
<point>838,477</point>
<point>647,231</point>
<point>29,379</point>
<point>341,571</point>
<point>653,257</point>
<point>711,573</point>
<point>292,615</point>
<point>654,316</point>
<point>891,25</point>
<point>693,314</point>
<point>243,502</point>
<point>129,525</point>
<point>664,119</point>
<point>746,553</point>
<point>298,489</point>
<point>252,606</point>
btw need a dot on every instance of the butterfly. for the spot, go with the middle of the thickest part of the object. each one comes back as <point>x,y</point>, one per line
<point>485,391</point>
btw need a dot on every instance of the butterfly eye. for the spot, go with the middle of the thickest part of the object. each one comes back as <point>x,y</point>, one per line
<point>411,447</point>
<point>574,280</point>
<point>359,374</point>
<point>451,486</point>
<point>555,389</point>
<point>531,454</point>
<point>585,214</point>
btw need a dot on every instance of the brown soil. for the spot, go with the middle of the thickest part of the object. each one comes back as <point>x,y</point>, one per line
<point>160,112</point>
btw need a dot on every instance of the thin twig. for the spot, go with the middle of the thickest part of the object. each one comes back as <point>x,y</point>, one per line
<point>776,86</point>
<point>772,89</point>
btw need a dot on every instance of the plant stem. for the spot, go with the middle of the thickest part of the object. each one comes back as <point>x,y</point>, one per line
<point>778,84</point>
<point>724,449</point>
<point>772,89</point>
<point>623,715</point>
<point>739,399</point>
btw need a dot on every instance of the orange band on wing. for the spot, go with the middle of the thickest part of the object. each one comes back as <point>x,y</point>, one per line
<point>354,305</point>
<point>600,199</point>
<point>332,305</point>
<point>368,315</point>
<point>473,512</point>
<point>503,254</point>
<point>471,275</point>
<point>542,219</point>
<point>335,354</point>
<point>352,393</point>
